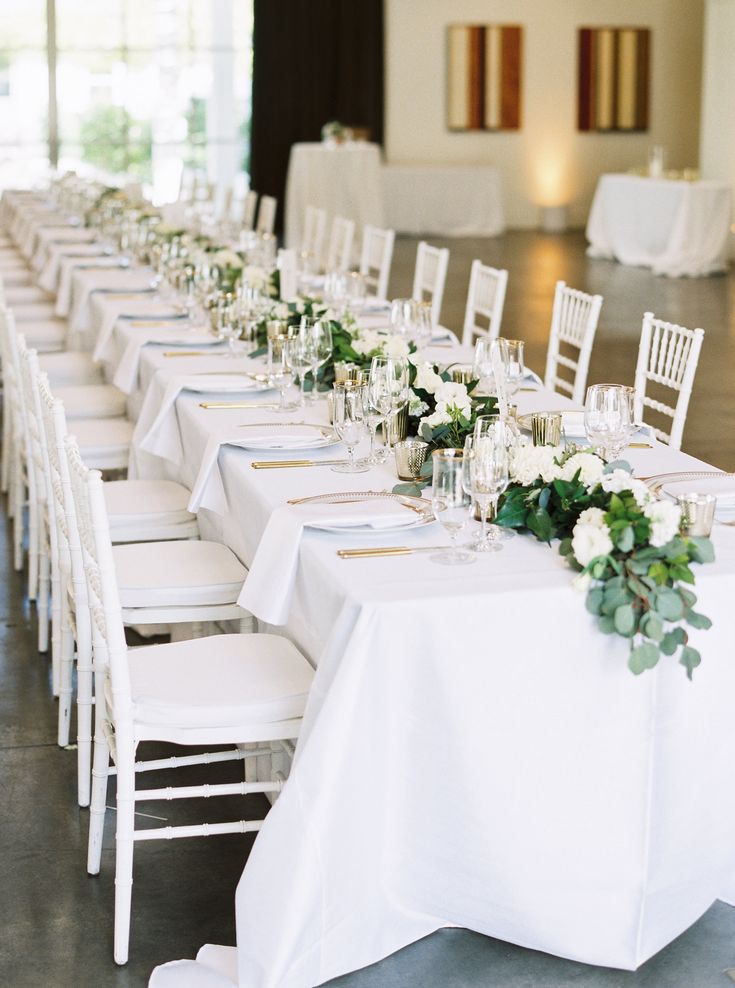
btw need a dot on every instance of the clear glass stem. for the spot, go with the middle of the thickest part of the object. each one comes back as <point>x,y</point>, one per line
<point>314,373</point>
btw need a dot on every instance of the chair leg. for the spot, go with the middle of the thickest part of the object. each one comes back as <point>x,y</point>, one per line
<point>56,589</point>
<point>33,549</point>
<point>42,605</point>
<point>18,524</point>
<point>124,848</point>
<point>5,460</point>
<point>84,718</point>
<point>98,801</point>
<point>66,669</point>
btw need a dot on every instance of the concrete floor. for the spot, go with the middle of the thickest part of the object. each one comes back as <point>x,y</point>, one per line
<point>56,922</point>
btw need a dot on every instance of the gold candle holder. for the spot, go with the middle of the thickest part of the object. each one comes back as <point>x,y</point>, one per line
<point>410,456</point>
<point>697,513</point>
<point>463,374</point>
<point>344,371</point>
<point>546,428</point>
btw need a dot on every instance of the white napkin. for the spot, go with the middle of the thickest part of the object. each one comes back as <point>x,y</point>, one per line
<point>117,308</point>
<point>49,276</point>
<point>126,373</point>
<point>268,589</point>
<point>85,283</point>
<point>722,487</point>
<point>297,436</point>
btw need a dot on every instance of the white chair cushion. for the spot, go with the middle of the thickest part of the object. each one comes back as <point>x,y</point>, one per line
<point>100,439</point>
<point>70,367</point>
<point>171,574</point>
<point>221,681</point>
<point>131,502</point>
<point>87,401</point>
<point>31,309</point>
<point>44,335</point>
<point>17,277</point>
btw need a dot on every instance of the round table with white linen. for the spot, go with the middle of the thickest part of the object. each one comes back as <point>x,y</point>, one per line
<point>444,200</point>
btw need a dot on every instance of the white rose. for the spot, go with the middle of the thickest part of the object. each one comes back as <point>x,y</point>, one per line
<point>367,341</point>
<point>281,311</point>
<point>416,407</point>
<point>255,277</point>
<point>589,542</point>
<point>227,259</point>
<point>437,418</point>
<point>595,517</point>
<point>620,480</point>
<point>532,462</point>
<point>396,347</point>
<point>589,466</point>
<point>427,379</point>
<point>454,396</point>
<point>665,518</point>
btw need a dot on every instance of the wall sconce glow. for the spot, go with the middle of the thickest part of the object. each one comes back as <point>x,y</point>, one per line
<point>551,180</point>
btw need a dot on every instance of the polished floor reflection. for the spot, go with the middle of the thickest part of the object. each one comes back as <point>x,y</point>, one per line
<point>56,922</point>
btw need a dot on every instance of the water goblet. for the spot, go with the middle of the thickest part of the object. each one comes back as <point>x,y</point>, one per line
<point>350,424</point>
<point>390,381</point>
<point>511,355</point>
<point>280,368</point>
<point>609,418</point>
<point>317,332</point>
<point>450,503</point>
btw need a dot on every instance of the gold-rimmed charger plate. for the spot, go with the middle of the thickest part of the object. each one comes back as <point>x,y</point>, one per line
<point>421,512</point>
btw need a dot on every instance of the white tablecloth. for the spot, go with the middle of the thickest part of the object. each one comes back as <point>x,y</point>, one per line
<point>675,228</point>
<point>474,750</point>
<point>345,180</point>
<point>445,200</point>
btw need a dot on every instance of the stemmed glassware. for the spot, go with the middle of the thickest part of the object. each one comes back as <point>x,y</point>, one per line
<point>402,314</point>
<point>316,336</point>
<point>302,363</point>
<point>375,404</point>
<point>482,366</point>
<point>350,423</point>
<point>511,355</point>
<point>450,502</point>
<point>388,384</point>
<point>281,366</point>
<point>609,418</point>
<point>227,323</point>
<point>486,475</point>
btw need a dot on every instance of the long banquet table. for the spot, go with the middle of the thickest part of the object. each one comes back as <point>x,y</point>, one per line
<point>474,751</point>
<point>676,228</point>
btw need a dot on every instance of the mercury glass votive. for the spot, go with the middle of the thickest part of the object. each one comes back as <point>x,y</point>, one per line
<point>546,428</point>
<point>410,457</point>
<point>697,513</point>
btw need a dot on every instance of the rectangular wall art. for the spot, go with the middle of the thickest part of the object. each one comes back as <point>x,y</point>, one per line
<point>614,82</point>
<point>484,77</point>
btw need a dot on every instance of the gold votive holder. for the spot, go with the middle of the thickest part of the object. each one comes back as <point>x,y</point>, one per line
<point>344,371</point>
<point>546,428</point>
<point>410,457</point>
<point>463,374</point>
<point>697,513</point>
<point>280,327</point>
<point>396,426</point>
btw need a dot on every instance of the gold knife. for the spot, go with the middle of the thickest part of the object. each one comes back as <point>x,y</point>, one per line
<point>640,445</point>
<point>196,353</point>
<point>388,550</point>
<point>283,464</point>
<point>238,404</point>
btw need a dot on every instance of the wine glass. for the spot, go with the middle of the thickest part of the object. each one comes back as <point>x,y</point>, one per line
<point>317,332</point>
<point>350,423</point>
<point>609,418</point>
<point>390,383</point>
<point>227,325</point>
<point>486,477</point>
<point>302,360</point>
<point>511,354</point>
<point>280,369</point>
<point>486,425</point>
<point>423,324</point>
<point>450,502</point>
<point>377,400</point>
<point>402,312</point>
<point>482,366</point>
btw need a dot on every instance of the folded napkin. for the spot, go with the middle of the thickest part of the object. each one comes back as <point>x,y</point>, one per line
<point>108,310</point>
<point>268,589</point>
<point>287,437</point>
<point>723,489</point>
<point>126,373</point>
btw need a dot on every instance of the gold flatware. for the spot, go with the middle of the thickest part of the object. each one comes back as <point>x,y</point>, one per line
<point>285,464</point>
<point>172,321</point>
<point>387,550</point>
<point>528,389</point>
<point>196,353</point>
<point>640,445</point>
<point>238,404</point>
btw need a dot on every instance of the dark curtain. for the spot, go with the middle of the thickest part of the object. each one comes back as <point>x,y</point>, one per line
<point>313,61</point>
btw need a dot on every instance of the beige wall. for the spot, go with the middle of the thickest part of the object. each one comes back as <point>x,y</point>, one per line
<point>547,162</point>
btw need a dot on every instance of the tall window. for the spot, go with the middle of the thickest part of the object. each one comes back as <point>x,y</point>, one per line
<point>143,87</point>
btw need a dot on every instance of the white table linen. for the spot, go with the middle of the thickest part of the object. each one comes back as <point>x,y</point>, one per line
<point>444,200</point>
<point>676,228</point>
<point>345,180</point>
<point>85,283</point>
<point>50,273</point>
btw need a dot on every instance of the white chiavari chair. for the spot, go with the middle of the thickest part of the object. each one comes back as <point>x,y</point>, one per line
<point>37,315</point>
<point>375,260</point>
<point>485,299</point>
<point>312,240</point>
<point>430,276</point>
<point>248,211</point>
<point>224,690</point>
<point>266,214</point>
<point>667,358</point>
<point>573,326</point>
<point>339,248</point>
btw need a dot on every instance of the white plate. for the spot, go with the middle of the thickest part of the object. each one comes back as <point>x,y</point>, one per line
<point>224,382</point>
<point>323,437</point>
<point>421,511</point>
<point>659,481</point>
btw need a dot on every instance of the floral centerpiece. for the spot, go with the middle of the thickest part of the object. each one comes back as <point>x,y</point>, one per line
<point>625,545</point>
<point>334,132</point>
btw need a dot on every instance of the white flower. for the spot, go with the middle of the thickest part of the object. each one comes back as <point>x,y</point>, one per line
<point>590,541</point>
<point>427,379</point>
<point>416,407</point>
<point>227,259</point>
<point>532,462</point>
<point>589,466</point>
<point>454,398</point>
<point>620,480</point>
<point>594,517</point>
<point>367,341</point>
<point>665,518</point>
<point>255,277</point>
<point>582,582</point>
<point>395,346</point>
<point>281,311</point>
<point>437,418</point>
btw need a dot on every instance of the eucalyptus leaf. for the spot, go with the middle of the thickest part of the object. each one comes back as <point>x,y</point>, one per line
<point>412,489</point>
<point>643,657</point>
<point>672,640</point>
<point>652,627</point>
<point>690,659</point>
<point>669,604</point>
<point>698,620</point>
<point>702,550</point>
<point>593,603</point>
<point>606,624</point>
<point>625,620</point>
<point>625,539</point>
